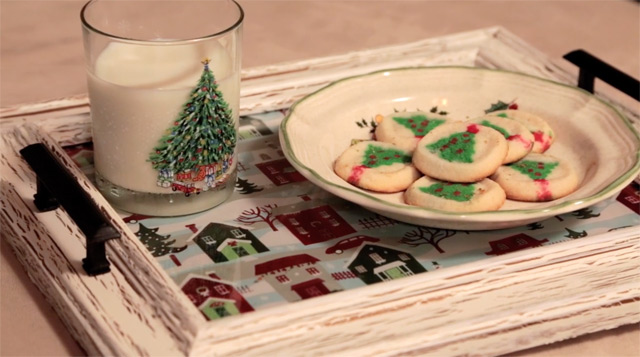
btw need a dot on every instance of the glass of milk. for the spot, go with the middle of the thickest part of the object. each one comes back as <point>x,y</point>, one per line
<point>164,83</point>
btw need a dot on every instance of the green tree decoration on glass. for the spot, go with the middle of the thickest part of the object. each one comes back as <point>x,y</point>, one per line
<point>196,152</point>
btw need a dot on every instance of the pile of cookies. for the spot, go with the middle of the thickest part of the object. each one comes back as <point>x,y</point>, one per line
<point>458,166</point>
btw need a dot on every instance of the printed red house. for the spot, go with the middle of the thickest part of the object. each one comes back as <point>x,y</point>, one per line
<point>297,277</point>
<point>315,225</point>
<point>82,155</point>
<point>513,243</point>
<point>214,297</point>
<point>630,197</point>
<point>280,172</point>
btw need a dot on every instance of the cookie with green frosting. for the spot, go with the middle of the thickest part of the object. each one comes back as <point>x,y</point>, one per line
<point>484,195</point>
<point>376,166</point>
<point>405,129</point>
<point>519,138</point>
<point>460,152</point>
<point>542,132</point>
<point>537,177</point>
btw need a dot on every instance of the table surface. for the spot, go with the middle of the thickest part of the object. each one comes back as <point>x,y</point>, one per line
<point>42,59</point>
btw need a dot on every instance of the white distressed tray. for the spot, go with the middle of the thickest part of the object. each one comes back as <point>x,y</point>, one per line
<point>497,305</point>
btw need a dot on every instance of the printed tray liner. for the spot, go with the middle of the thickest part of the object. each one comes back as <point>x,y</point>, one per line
<point>280,239</point>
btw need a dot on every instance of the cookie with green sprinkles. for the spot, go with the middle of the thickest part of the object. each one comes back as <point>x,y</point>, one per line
<point>405,129</point>
<point>460,152</point>
<point>376,166</point>
<point>519,138</point>
<point>542,132</point>
<point>484,195</point>
<point>537,177</point>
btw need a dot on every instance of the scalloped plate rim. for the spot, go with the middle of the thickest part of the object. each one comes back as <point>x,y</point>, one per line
<point>490,218</point>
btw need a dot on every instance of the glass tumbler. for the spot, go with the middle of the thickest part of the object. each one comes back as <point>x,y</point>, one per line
<point>164,84</point>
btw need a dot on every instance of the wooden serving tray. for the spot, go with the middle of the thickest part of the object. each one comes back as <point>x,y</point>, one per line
<point>495,305</point>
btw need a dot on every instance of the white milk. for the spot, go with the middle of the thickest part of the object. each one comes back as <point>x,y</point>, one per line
<point>136,93</point>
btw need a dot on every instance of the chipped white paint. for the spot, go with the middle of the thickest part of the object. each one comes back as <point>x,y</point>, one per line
<point>498,305</point>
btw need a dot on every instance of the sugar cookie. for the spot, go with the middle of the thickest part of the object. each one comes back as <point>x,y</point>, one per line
<point>405,129</point>
<point>543,133</point>
<point>376,166</point>
<point>519,138</point>
<point>460,152</point>
<point>537,177</point>
<point>484,195</point>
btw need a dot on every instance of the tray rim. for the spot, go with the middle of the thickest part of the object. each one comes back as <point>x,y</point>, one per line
<point>65,121</point>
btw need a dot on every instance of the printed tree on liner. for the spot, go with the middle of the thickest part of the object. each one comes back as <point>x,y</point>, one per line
<point>246,187</point>
<point>199,145</point>
<point>158,245</point>
<point>427,235</point>
<point>259,214</point>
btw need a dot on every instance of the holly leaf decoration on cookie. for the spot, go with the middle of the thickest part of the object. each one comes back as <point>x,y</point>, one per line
<point>418,124</point>
<point>500,105</point>
<point>458,147</point>
<point>535,170</point>
<point>376,156</point>
<point>460,192</point>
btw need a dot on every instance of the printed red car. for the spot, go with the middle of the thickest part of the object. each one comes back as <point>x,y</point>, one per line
<point>350,243</point>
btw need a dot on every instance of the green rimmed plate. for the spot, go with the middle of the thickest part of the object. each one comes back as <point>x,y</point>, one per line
<point>596,139</point>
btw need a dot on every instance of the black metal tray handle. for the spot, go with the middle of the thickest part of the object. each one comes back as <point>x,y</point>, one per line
<point>592,67</point>
<point>55,187</point>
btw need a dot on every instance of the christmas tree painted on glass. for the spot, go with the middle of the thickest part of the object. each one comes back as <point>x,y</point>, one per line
<point>196,152</point>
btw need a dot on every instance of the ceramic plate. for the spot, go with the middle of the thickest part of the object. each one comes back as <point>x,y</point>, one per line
<point>596,139</point>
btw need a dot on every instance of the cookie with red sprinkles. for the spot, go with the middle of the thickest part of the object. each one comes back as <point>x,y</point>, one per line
<point>376,166</point>
<point>460,152</point>
<point>519,138</point>
<point>484,195</point>
<point>405,129</point>
<point>537,177</point>
<point>542,132</point>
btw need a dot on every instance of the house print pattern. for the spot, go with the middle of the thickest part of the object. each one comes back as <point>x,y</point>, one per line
<point>297,277</point>
<point>223,243</point>
<point>280,239</point>
<point>315,225</point>
<point>513,243</point>
<point>375,263</point>
<point>280,172</point>
<point>213,297</point>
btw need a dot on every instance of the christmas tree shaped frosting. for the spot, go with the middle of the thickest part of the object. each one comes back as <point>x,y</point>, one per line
<point>458,147</point>
<point>502,130</point>
<point>535,170</point>
<point>460,192</point>
<point>418,124</point>
<point>376,156</point>
<point>202,138</point>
